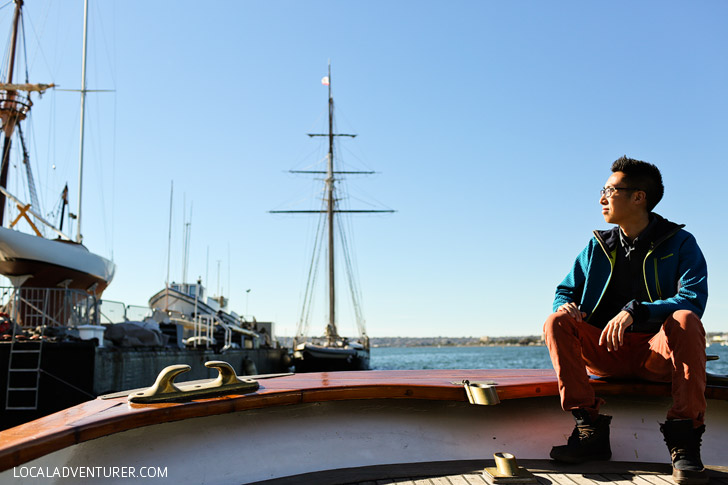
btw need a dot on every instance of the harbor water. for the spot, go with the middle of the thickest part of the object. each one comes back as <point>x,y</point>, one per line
<point>490,357</point>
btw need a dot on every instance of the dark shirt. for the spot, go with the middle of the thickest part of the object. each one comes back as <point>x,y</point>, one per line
<point>627,282</point>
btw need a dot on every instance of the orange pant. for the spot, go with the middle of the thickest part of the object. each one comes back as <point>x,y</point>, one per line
<point>675,354</point>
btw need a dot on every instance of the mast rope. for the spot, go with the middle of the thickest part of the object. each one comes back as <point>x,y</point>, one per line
<point>6,57</point>
<point>307,307</point>
<point>39,46</point>
<point>28,172</point>
<point>308,303</point>
<point>351,277</point>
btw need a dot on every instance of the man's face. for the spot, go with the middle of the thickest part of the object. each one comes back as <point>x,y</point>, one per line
<point>619,207</point>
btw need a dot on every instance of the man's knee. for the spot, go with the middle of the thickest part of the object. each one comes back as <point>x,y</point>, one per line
<point>686,321</point>
<point>557,322</point>
<point>551,322</point>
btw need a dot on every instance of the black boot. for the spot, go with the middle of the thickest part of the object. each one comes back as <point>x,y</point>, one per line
<point>589,440</point>
<point>683,441</point>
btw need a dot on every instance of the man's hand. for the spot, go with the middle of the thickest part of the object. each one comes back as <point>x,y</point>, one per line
<point>573,310</point>
<point>613,333</point>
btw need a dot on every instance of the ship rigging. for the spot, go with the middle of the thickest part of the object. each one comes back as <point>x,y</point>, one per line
<point>333,352</point>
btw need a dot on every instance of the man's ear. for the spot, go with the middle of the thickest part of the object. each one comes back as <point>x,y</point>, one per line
<point>640,196</point>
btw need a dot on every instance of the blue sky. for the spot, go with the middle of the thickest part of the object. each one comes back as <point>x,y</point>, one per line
<point>492,126</point>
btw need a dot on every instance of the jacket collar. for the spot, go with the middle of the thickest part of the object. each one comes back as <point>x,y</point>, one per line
<point>657,231</point>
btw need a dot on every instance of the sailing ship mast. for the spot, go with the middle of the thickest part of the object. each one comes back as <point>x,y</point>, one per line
<point>13,109</point>
<point>79,236</point>
<point>31,260</point>
<point>331,332</point>
<point>83,91</point>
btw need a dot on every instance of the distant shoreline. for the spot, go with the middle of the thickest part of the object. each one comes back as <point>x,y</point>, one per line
<point>455,346</point>
<point>445,341</point>
<point>456,341</point>
<point>520,341</point>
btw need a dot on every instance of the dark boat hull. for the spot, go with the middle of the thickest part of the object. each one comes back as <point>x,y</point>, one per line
<point>316,358</point>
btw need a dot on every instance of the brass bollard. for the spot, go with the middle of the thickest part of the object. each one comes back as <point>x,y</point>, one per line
<point>483,393</point>
<point>506,470</point>
<point>506,464</point>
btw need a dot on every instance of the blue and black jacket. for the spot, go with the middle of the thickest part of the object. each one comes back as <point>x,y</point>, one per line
<point>674,271</point>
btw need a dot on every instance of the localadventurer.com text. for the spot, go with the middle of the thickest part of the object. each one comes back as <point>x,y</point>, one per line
<point>89,472</point>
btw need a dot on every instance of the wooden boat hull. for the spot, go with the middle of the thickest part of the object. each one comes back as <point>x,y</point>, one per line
<point>304,424</point>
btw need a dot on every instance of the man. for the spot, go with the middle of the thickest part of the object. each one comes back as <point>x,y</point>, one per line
<point>631,307</point>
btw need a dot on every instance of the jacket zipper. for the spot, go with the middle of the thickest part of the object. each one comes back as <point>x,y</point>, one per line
<point>611,271</point>
<point>653,246</point>
<point>657,281</point>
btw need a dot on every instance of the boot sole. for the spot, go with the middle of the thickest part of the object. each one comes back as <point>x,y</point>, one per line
<point>690,478</point>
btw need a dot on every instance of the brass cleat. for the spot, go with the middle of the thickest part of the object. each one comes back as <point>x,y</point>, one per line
<point>483,393</point>
<point>506,470</point>
<point>164,388</point>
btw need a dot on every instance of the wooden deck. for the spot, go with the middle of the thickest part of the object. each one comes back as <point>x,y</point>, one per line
<point>544,479</point>
<point>470,473</point>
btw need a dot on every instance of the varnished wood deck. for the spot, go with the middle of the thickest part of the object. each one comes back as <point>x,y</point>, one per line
<point>470,473</point>
<point>103,417</point>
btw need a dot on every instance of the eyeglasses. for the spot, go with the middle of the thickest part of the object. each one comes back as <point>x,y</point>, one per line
<point>609,191</point>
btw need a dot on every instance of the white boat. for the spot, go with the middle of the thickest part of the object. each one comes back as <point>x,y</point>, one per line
<point>37,262</point>
<point>188,305</point>
<point>32,260</point>
<point>190,299</point>
<point>349,427</point>
<point>332,351</point>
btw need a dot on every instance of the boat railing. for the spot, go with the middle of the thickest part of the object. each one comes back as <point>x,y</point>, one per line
<point>116,311</point>
<point>204,327</point>
<point>33,308</point>
<point>15,102</point>
<point>112,311</point>
<point>228,334</point>
<point>138,313</point>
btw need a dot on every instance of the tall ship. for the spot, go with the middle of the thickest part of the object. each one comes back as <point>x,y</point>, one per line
<point>331,351</point>
<point>32,260</point>
<point>60,344</point>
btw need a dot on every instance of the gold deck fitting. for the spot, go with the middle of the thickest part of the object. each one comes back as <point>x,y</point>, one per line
<point>483,393</point>
<point>506,470</point>
<point>164,388</point>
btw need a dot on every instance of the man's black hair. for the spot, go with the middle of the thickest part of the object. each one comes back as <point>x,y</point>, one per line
<point>643,176</point>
